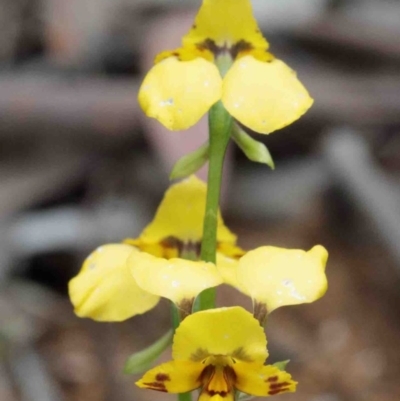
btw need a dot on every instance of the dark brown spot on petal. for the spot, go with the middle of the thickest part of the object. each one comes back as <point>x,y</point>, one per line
<point>199,355</point>
<point>273,392</point>
<point>185,308</point>
<point>275,386</point>
<point>241,354</point>
<point>207,376</point>
<point>194,26</point>
<point>173,243</point>
<point>156,386</point>
<point>222,394</point>
<point>210,45</point>
<point>162,377</point>
<point>260,312</point>
<point>272,379</point>
<point>241,46</point>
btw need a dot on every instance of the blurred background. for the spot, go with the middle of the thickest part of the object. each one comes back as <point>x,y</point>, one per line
<point>81,166</point>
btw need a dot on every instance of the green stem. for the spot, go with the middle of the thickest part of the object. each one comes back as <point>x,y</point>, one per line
<point>185,397</point>
<point>220,125</point>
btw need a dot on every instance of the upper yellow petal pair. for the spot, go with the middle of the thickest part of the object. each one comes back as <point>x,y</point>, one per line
<point>261,92</point>
<point>220,351</point>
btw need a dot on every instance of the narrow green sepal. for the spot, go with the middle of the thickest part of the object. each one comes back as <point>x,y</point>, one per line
<point>143,360</point>
<point>254,150</point>
<point>239,396</point>
<point>190,163</point>
<point>281,365</point>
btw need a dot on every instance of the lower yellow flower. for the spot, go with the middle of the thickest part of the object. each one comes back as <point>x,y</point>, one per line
<point>219,351</point>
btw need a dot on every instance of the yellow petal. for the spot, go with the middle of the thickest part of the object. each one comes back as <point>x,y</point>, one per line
<point>175,279</point>
<point>180,216</point>
<point>230,249</point>
<point>225,332</point>
<point>225,22</point>
<point>173,377</point>
<point>278,276</point>
<point>178,93</point>
<point>262,381</point>
<point>104,289</point>
<point>264,96</point>
<point>227,268</point>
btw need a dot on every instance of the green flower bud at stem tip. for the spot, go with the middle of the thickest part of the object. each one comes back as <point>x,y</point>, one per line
<point>143,360</point>
<point>254,150</point>
<point>190,163</point>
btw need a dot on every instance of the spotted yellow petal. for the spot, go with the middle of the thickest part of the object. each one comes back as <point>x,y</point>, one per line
<point>264,96</point>
<point>225,22</point>
<point>180,217</point>
<point>224,332</point>
<point>278,276</point>
<point>104,289</point>
<point>178,93</point>
<point>175,279</point>
<point>173,377</point>
<point>262,381</point>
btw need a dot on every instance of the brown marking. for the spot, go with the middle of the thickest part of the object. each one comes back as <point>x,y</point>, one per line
<point>260,312</point>
<point>272,379</point>
<point>241,46</point>
<point>162,377</point>
<point>222,394</point>
<point>240,354</point>
<point>210,45</point>
<point>206,378</point>
<point>230,376</point>
<point>275,386</point>
<point>185,308</point>
<point>199,355</point>
<point>175,243</point>
<point>194,26</point>
<point>273,392</point>
<point>156,386</point>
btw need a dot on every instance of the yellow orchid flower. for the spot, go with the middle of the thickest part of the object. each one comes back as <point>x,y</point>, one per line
<point>118,281</point>
<point>258,90</point>
<point>219,351</point>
